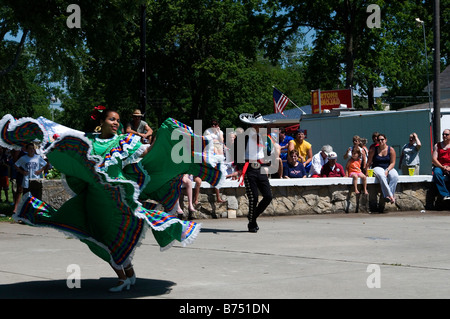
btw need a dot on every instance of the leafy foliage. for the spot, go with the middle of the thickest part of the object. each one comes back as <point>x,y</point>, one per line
<point>208,59</point>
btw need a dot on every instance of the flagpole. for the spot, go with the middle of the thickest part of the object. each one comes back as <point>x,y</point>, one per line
<point>290,100</point>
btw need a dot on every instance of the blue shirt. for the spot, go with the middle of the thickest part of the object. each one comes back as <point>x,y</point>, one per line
<point>286,140</point>
<point>294,171</point>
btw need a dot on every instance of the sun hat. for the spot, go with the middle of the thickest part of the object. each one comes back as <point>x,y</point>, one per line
<point>137,112</point>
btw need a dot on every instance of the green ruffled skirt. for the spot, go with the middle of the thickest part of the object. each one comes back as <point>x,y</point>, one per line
<point>107,213</point>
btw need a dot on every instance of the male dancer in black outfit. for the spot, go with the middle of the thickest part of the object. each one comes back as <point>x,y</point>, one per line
<point>252,164</point>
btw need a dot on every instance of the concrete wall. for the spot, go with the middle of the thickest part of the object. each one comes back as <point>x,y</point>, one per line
<point>292,197</point>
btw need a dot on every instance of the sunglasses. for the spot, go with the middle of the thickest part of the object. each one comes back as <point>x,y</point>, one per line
<point>445,134</point>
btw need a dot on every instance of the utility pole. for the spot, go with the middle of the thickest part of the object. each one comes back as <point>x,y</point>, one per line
<point>437,73</point>
<point>142,65</point>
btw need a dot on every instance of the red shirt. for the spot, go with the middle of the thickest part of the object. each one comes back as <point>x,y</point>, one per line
<point>326,171</point>
<point>443,155</point>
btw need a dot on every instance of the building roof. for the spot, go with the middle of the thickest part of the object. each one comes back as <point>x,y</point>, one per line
<point>444,78</point>
<point>291,116</point>
<point>443,104</point>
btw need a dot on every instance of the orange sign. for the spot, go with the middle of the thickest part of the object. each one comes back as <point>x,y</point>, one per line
<point>326,100</point>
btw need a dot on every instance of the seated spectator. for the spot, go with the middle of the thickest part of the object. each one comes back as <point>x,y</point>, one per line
<point>303,147</point>
<point>374,140</point>
<point>356,144</point>
<point>139,127</point>
<point>382,160</point>
<point>441,164</point>
<point>293,168</point>
<point>198,182</point>
<point>353,169</point>
<point>331,168</point>
<point>217,137</point>
<point>283,141</point>
<point>319,159</point>
<point>187,182</point>
<point>218,142</point>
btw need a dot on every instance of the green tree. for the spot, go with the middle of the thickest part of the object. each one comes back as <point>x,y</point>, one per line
<point>22,92</point>
<point>347,52</point>
<point>201,57</point>
<point>403,64</point>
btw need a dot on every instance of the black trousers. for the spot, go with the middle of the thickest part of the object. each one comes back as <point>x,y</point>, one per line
<point>254,180</point>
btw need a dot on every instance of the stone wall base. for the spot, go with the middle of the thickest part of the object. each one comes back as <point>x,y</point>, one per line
<point>287,200</point>
<point>304,200</point>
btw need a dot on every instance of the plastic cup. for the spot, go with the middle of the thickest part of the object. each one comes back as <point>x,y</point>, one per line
<point>411,171</point>
<point>370,172</point>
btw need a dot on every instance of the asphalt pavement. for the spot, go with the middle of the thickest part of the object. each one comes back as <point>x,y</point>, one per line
<point>345,256</point>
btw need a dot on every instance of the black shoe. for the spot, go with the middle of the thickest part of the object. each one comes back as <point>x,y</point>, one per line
<point>253,227</point>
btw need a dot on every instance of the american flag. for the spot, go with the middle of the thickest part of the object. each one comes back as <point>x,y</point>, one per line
<point>279,101</point>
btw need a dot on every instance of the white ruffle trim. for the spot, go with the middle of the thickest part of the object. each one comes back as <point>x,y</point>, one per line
<point>186,241</point>
<point>13,123</point>
<point>124,156</point>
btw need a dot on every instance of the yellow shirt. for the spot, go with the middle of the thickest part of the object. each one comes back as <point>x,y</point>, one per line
<point>302,148</point>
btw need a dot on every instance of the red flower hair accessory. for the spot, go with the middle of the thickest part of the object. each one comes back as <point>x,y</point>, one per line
<point>96,112</point>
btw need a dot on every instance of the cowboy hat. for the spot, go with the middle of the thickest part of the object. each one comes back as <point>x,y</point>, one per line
<point>255,118</point>
<point>137,112</point>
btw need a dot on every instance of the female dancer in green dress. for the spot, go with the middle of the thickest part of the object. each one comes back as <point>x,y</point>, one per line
<point>111,176</point>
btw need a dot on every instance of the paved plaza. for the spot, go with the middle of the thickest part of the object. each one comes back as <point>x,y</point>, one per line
<point>393,255</point>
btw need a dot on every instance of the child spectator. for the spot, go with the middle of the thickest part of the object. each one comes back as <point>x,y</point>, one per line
<point>356,144</point>
<point>30,166</point>
<point>353,169</point>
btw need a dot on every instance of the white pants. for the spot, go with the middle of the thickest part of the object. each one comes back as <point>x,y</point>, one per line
<point>388,184</point>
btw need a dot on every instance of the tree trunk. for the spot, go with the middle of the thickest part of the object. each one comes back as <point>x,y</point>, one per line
<point>349,57</point>
<point>17,55</point>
